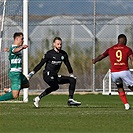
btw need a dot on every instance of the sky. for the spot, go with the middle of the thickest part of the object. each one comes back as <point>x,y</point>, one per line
<point>80,7</point>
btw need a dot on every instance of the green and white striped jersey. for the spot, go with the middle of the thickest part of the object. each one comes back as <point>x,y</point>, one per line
<point>15,60</point>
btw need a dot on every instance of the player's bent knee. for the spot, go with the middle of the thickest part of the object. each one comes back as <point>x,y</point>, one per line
<point>72,80</point>
<point>119,83</point>
<point>55,87</point>
<point>15,96</point>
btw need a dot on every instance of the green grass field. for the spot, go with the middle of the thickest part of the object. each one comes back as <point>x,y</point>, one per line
<point>97,114</point>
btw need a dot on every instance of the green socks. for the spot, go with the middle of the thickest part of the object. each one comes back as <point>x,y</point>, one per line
<point>6,96</point>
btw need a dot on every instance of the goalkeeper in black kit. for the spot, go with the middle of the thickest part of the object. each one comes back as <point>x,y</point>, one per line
<point>53,60</point>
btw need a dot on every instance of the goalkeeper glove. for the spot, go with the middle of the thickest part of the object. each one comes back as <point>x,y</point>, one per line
<point>30,74</point>
<point>73,76</point>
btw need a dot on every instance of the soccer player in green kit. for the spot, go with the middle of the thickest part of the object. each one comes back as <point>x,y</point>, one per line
<point>18,80</point>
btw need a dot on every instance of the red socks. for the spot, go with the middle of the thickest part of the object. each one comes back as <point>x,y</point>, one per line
<point>123,97</point>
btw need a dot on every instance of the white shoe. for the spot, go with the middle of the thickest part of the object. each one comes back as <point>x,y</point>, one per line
<point>36,101</point>
<point>127,106</point>
<point>72,102</point>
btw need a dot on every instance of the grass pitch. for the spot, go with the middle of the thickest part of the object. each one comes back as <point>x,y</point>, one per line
<point>97,114</point>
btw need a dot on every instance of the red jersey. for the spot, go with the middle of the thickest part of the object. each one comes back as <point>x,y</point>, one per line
<point>118,55</point>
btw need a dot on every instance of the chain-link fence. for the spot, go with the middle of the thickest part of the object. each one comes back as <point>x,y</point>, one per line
<point>86,27</point>
<point>11,21</point>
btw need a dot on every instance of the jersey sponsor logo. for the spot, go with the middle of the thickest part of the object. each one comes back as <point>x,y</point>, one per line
<point>52,77</point>
<point>15,61</point>
<point>56,62</point>
<point>16,69</point>
<point>119,64</point>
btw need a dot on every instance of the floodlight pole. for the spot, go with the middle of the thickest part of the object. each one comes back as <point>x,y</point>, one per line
<point>25,51</point>
<point>94,43</point>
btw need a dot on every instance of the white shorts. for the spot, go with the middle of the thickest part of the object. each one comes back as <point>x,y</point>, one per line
<point>126,77</point>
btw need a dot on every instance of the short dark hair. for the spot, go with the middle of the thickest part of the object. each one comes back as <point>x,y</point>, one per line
<point>16,34</point>
<point>57,38</point>
<point>122,36</point>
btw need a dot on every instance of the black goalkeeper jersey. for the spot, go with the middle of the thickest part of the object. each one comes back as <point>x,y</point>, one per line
<point>53,61</point>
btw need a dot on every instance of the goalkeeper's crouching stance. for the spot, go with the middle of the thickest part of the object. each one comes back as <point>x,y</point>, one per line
<point>53,59</point>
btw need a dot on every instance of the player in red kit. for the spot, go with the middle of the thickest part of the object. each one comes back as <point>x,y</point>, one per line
<point>119,55</point>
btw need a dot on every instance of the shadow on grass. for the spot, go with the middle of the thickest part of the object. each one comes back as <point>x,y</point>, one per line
<point>43,107</point>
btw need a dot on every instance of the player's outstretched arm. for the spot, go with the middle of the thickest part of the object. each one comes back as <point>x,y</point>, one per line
<point>6,50</point>
<point>37,68</point>
<point>100,57</point>
<point>131,59</point>
<point>16,50</point>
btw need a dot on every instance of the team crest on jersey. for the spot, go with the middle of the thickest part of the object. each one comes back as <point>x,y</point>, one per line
<point>62,57</point>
